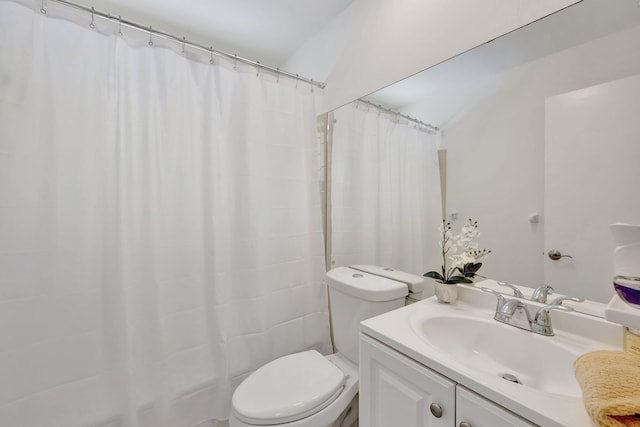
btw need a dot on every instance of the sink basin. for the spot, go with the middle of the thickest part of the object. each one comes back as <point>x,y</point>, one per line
<point>484,345</point>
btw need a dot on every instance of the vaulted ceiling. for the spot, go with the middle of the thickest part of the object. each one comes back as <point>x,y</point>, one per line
<point>268,31</point>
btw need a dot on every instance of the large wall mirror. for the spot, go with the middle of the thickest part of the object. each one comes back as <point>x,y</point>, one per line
<point>500,110</point>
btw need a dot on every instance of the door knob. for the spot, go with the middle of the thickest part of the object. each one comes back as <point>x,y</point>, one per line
<point>555,255</point>
<point>436,410</point>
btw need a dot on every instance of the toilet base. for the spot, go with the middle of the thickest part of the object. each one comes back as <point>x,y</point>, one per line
<point>349,417</point>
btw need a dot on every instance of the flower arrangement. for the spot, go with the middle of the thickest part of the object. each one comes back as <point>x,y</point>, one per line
<point>465,263</point>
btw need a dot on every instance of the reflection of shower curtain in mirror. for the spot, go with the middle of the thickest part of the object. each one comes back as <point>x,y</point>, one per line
<point>385,192</point>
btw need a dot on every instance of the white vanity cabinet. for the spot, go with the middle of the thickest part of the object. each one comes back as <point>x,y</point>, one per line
<point>473,410</point>
<point>398,391</point>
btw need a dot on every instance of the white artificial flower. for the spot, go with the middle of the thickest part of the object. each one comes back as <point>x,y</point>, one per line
<point>449,235</point>
<point>457,260</point>
<point>466,242</point>
<point>470,229</point>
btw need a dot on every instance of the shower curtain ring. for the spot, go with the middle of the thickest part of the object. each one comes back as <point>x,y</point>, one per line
<point>92,25</point>
<point>277,75</point>
<point>43,10</point>
<point>211,52</point>
<point>150,35</point>
<point>235,62</point>
<point>184,41</point>
<point>311,85</point>
<point>297,80</point>
<point>258,69</point>
<point>119,25</point>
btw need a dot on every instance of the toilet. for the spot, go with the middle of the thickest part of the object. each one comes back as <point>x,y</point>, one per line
<point>308,389</point>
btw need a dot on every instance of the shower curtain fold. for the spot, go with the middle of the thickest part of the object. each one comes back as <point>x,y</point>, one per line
<point>160,230</point>
<point>385,191</point>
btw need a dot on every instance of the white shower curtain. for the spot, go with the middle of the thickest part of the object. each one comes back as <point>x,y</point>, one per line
<point>385,191</point>
<point>160,231</point>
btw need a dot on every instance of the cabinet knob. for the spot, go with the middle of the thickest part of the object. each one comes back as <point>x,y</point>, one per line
<point>465,424</point>
<point>436,410</point>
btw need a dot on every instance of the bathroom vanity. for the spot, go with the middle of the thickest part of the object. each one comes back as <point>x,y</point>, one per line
<point>432,364</point>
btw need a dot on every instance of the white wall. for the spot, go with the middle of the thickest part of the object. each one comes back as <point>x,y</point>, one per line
<point>374,43</point>
<point>496,149</point>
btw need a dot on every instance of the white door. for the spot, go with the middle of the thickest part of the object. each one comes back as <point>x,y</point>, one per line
<point>592,179</point>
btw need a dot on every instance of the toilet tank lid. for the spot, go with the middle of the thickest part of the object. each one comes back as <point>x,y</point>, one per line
<point>414,282</point>
<point>365,286</point>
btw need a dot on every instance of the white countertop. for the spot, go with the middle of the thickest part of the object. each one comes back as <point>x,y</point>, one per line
<point>582,332</point>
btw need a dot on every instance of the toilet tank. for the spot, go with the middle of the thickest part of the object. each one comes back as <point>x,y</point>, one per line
<point>356,296</point>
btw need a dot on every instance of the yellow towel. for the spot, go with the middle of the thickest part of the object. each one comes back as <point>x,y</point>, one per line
<point>610,382</point>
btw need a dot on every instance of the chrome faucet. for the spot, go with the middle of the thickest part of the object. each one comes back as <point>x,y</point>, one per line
<point>541,293</point>
<point>516,292</point>
<point>514,312</point>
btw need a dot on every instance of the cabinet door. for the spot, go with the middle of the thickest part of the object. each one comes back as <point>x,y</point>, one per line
<point>477,411</point>
<point>396,391</point>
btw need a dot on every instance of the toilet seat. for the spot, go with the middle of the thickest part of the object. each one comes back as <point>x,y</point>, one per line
<point>288,389</point>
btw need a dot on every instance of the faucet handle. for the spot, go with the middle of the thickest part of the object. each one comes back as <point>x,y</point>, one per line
<point>501,299</point>
<point>516,292</point>
<point>541,292</point>
<point>511,305</point>
<point>558,301</point>
<point>515,313</point>
<point>542,321</point>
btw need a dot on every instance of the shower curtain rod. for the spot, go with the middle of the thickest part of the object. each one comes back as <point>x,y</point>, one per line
<point>153,32</point>
<point>395,113</point>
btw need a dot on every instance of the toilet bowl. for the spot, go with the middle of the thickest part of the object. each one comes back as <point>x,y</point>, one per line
<point>308,389</point>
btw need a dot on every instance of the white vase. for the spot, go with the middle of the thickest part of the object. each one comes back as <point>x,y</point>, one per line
<point>446,293</point>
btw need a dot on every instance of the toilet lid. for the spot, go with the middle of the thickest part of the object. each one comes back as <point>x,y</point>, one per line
<point>288,389</point>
